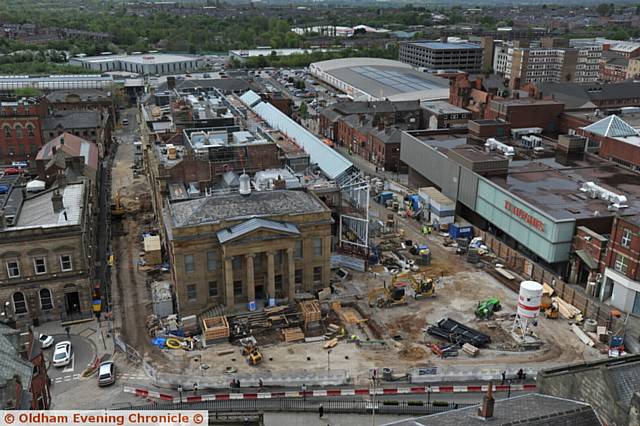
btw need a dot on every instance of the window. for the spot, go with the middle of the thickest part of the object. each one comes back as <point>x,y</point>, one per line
<point>65,262</point>
<point>317,247</point>
<point>19,303</point>
<point>40,265</point>
<point>626,237</point>
<point>622,264</point>
<point>317,274</point>
<point>30,131</point>
<point>46,301</point>
<point>189,263</point>
<point>298,249</point>
<point>18,131</point>
<point>7,131</point>
<point>192,293</point>
<point>213,289</point>
<point>237,288</point>
<point>13,268</point>
<point>211,261</point>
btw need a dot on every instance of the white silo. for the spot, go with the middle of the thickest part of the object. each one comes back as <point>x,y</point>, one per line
<point>529,299</point>
<point>245,184</point>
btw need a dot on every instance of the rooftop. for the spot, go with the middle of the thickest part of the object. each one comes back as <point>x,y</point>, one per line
<point>555,188</point>
<point>385,79</point>
<point>443,107</point>
<point>84,95</point>
<point>531,409</point>
<point>229,207</point>
<point>71,119</point>
<point>37,211</point>
<point>438,45</point>
<point>73,146</point>
<point>155,58</point>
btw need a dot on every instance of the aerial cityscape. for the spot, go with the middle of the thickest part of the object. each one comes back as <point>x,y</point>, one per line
<point>319,213</point>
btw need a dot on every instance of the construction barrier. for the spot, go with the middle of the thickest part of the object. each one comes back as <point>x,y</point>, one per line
<point>319,393</point>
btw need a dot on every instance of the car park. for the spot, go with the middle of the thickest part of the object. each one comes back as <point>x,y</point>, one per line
<point>62,354</point>
<point>107,373</point>
<point>45,340</point>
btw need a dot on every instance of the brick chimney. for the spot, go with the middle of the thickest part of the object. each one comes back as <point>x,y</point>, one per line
<point>56,200</point>
<point>488,402</point>
<point>61,179</point>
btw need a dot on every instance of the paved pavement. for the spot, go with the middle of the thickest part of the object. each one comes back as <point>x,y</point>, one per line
<point>312,419</point>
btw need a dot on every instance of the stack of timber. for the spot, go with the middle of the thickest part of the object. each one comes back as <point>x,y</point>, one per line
<point>215,329</point>
<point>293,334</point>
<point>567,310</point>
<point>310,312</point>
<point>470,350</point>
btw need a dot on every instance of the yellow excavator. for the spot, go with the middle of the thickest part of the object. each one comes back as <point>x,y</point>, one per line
<point>116,208</point>
<point>387,297</point>
<point>422,287</point>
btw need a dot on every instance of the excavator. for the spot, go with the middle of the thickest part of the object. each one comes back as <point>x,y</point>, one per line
<point>387,297</point>
<point>422,287</point>
<point>116,208</point>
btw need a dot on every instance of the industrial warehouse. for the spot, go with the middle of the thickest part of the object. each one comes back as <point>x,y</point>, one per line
<point>380,79</point>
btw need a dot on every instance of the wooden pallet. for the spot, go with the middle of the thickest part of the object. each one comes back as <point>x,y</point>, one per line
<point>310,312</point>
<point>294,334</point>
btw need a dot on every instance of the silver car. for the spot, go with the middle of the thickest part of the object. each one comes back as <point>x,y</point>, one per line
<point>107,373</point>
<point>62,354</point>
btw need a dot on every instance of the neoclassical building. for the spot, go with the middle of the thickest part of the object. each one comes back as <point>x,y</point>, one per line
<point>243,251</point>
<point>46,254</point>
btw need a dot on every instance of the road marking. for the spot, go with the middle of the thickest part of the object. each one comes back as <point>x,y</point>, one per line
<point>68,369</point>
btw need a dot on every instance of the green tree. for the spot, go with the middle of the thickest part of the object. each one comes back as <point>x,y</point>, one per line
<point>304,110</point>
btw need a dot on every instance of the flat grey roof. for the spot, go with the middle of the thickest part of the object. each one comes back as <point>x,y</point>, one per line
<point>555,188</point>
<point>443,107</point>
<point>234,206</point>
<point>37,211</point>
<point>531,409</point>
<point>438,45</point>
<point>150,58</point>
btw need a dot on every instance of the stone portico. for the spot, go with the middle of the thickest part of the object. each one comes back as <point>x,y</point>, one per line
<point>241,251</point>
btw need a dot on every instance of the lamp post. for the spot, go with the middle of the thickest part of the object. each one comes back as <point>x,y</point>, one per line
<point>180,392</point>
<point>329,360</point>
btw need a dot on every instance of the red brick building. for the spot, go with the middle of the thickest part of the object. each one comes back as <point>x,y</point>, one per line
<point>621,280</point>
<point>475,94</point>
<point>589,249</point>
<point>615,140</point>
<point>614,70</point>
<point>21,129</point>
<point>526,112</point>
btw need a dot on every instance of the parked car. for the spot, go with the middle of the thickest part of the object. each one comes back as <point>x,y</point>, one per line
<point>45,341</point>
<point>107,373</point>
<point>62,354</point>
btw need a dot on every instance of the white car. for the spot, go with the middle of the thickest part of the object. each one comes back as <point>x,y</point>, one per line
<point>45,341</point>
<point>107,373</point>
<point>62,354</point>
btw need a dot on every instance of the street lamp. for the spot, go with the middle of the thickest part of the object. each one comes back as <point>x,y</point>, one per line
<point>329,360</point>
<point>180,392</point>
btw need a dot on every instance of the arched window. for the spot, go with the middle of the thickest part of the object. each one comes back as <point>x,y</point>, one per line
<point>18,131</point>
<point>46,301</point>
<point>7,131</point>
<point>19,303</point>
<point>30,132</point>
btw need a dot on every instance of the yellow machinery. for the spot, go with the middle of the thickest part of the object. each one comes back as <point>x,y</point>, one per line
<point>116,208</point>
<point>250,351</point>
<point>552,311</point>
<point>422,287</point>
<point>387,297</point>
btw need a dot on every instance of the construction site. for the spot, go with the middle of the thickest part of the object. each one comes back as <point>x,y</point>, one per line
<point>341,277</point>
<point>423,301</point>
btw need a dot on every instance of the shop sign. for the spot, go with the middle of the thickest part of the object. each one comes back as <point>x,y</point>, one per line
<point>524,216</point>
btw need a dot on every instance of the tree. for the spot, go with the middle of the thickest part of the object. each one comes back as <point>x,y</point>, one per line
<point>304,110</point>
<point>603,9</point>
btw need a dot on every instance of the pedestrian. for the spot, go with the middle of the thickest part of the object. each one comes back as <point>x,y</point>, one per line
<point>260,384</point>
<point>68,330</point>
<point>320,411</point>
<point>520,374</point>
<point>504,377</point>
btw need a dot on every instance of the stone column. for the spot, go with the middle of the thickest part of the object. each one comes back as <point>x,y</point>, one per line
<point>228,282</point>
<point>251,286</point>
<point>271,279</point>
<point>291,274</point>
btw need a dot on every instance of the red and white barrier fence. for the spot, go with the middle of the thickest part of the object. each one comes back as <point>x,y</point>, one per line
<point>145,393</point>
